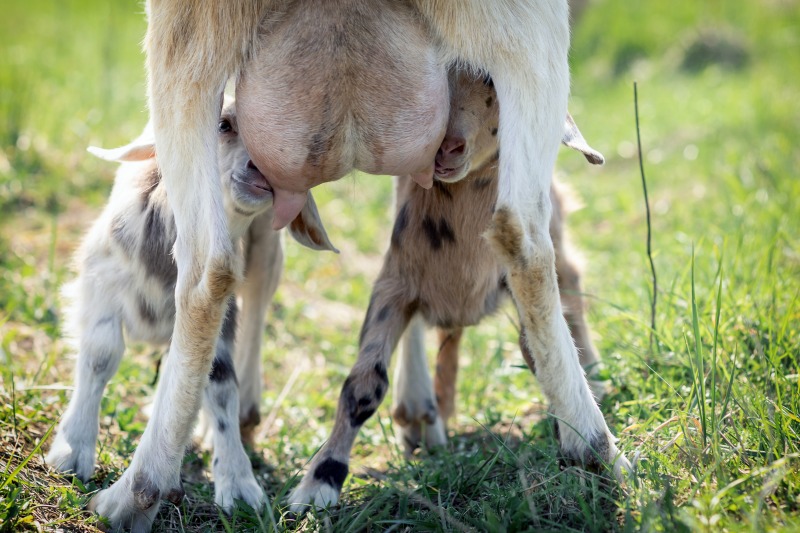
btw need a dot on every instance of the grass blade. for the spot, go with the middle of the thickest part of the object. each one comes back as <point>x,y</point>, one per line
<point>700,375</point>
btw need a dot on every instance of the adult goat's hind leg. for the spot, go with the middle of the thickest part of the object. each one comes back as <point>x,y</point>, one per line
<point>548,345</point>
<point>523,45</point>
<point>191,51</point>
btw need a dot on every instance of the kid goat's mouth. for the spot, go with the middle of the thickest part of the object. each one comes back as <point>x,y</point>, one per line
<point>253,180</point>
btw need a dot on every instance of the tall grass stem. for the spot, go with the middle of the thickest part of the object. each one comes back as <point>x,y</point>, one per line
<point>649,226</point>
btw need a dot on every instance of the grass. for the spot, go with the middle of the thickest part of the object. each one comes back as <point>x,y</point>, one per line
<point>711,412</point>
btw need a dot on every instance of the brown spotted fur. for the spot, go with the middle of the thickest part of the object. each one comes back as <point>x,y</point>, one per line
<point>456,281</point>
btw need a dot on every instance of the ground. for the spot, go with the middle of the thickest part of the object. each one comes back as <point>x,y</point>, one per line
<point>710,410</point>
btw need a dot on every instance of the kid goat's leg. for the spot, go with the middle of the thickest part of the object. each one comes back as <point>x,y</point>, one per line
<point>446,372</point>
<point>362,393</point>
<point>100,349</point>
<point>264,263</point>
<point>415,412</point>
<point>572,303</point>
<point>192,49</point>
<point>233,475</point>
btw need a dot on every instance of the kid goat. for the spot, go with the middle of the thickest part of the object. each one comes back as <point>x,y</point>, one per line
<point>126,286</point>
<point>439,269</point>
<point>463,280</point>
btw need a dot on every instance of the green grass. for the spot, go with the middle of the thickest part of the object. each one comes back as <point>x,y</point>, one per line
<point>712,412</point>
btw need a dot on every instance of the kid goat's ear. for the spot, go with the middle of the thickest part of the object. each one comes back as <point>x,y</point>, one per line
<point>141,149</point>
<point>574,139</point>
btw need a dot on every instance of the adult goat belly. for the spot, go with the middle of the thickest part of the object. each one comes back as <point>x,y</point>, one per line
<point>341,85</point>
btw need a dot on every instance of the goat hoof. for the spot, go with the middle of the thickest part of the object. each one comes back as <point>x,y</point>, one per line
<point>76,457</point>
<point>237,482</point>
<point>321,485</point>
<point>598,454</point>
<point>418,422</point>
<point>312,493</point>
<point>125,508</point>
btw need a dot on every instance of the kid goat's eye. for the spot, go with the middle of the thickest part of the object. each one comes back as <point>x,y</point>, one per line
<point>225,126</point>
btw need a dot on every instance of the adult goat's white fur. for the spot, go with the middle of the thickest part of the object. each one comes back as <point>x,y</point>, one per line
<point>193,47</point>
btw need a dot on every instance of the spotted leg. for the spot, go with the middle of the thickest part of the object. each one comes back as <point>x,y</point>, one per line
<point>100,350</point>
<point>363,390</point>
<point>233,474</point>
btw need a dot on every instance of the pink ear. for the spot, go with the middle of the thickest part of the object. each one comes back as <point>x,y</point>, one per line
<point>574,139</point>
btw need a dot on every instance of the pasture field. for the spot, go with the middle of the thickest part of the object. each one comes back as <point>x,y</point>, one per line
<point>710,409</point>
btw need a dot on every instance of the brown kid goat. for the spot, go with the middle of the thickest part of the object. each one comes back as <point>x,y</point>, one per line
<point>453,279</point>
<point>440,270</point>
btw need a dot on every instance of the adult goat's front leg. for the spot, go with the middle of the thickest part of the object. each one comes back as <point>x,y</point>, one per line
<point>523,45</point>
<point>191,51</point>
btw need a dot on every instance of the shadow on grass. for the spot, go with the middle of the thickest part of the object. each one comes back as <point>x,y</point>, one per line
<point>503,478</point>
